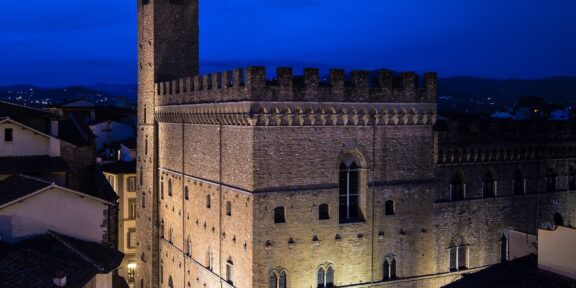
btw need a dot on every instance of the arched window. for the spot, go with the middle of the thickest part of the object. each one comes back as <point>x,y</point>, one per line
<point>208,202</point>
<point>170,282</point>
<point>170,187</point>
<point>186,193</point>
<point>228,208</point>
<point>171,234</point>
<point>141,177</point>
<point>230,271</point>
<point>325,278</point>
<point>279,216</point>
<point>321,278</point>
<point>558,219</point>
<point>458,254</point>
<point>389,208</point>
<point>504,248</point>
<point>488,186</point>
<point>273,282</point>
<point>457,188</point>
<point>329,277</point>
<point>323,212</point>
<point>349,184</point>
<point>146,146</point>
<point>572,177</point>
<point>162,229</point>
<point>519,187</point>
<point>282,280</point>
<point>551,180</point>
<point>277,280</point>
<point>390,268</point>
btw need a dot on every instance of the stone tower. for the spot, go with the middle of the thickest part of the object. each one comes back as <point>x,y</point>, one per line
<point>167,48</point>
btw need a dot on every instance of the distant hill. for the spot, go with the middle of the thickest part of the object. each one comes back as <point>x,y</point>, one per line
<point>119,90</point>
<point>30,95</point>
<point>459,94</point>
<point>488,95</point>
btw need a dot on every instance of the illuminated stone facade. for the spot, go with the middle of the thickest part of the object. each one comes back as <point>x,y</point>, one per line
<point>247,181</point>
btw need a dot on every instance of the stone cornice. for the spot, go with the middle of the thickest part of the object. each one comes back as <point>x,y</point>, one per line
<point>299,114</point>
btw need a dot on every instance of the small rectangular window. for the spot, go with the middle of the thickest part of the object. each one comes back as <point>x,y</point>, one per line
<point>132,184</point>
<point>8,135</point>
<point>132,208</point>
<point>279,216</point>
<point>131,238</point>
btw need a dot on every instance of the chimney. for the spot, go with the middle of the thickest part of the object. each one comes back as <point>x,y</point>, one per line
<point>60,279</point>
<point>54,128</point>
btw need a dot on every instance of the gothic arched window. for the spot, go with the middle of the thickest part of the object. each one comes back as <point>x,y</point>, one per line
<point>389,268</point>
<point>349,196</point>
<point>208,201</point>
<point>488,186</point>
<point>389,208</point>
<point>186,193</point>
<point>329,278</point>
<point>170,282</point>
<point>457,188</point>
<point>273,281</point>
<point>519,187</point>
<point>277,280</point>
<point>550,180</point>
<point>321,278</point>
<point>282,280</point>
<point>323,212</point>
<point>170,187</point>
<point>458,254</point>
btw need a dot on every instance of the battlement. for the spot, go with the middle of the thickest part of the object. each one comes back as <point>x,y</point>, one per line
<point>251,84</point>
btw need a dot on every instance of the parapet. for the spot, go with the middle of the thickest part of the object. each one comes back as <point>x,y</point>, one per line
<point>251,84</point>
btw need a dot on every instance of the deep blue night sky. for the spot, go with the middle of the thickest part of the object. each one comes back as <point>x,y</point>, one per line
<point>64,42</point>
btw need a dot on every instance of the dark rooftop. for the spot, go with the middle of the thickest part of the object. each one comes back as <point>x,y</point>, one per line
<point>130,143</point>
<point>73,132</point>
<point>18,186</point>
<point>520,273</point>
<point>32,164</point>
<point>35,262</point>
<point>96,184</point>
<point>120,167</point>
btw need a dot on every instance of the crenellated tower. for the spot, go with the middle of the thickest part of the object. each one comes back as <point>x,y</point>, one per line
<point>168,48</point>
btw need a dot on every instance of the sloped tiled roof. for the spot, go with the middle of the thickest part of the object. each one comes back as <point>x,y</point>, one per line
<point>18,186</point>
<point>96,184</point>
<point>521,273</point>
<point>16,111</point>
<point>32,164</point>
<point>35,262</point>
